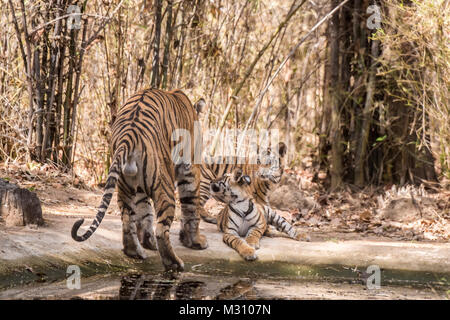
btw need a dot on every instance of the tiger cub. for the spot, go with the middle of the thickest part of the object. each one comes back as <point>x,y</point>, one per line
<point>265,174</point>
<point>245,217</point>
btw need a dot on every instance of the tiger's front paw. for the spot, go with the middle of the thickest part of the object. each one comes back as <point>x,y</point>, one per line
<point>254,244</point>
<point>249,254</point>
<point>176,265</point>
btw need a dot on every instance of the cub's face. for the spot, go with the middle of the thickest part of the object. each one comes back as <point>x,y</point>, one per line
<point>270,162</point>
<point>231,188</point>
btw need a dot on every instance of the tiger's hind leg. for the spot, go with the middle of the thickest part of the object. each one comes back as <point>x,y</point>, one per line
<point>282,225</point>
<point>164,201</point>
<point>271,232</point>
<point>187,177</point>
<point>131,244</point>
<point>145,213</point>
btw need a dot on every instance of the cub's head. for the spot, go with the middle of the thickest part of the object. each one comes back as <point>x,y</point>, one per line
<point>270,163</point>
<point>231,187</point>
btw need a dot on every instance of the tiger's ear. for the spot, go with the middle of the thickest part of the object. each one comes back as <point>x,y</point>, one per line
<point>199,105</point>
<point>282,149</point>
<point>246,179</point>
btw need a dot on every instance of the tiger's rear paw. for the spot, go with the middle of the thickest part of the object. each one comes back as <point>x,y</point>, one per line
<point>135,254</point>
<point>207,217</point>
<point>150,243</point>
<point>302,237</point>
<point>198,242</point>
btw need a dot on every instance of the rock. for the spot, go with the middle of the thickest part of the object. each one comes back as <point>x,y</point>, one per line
<point>313,221</point>
<point>288,196</point>
<point>335,222</point>
<point>18,206</point>
<point>405,210</point>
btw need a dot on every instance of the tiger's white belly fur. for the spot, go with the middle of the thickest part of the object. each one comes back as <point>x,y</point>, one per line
<point>243,216</point>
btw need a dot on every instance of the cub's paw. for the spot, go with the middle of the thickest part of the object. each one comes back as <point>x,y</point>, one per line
<point>249,254</point>
<point>206,216</point>
<point>254,244</point>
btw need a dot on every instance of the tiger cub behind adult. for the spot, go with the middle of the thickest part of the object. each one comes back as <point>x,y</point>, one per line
<point>143,169</point>
<point>265,174</point>
<point>243,220</point>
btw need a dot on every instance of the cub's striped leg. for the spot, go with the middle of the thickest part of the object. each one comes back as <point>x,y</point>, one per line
<point>235,242</point>
<point>144,213</point>
<point>187,181</point>
<point>282,225</point>
<point>131,244</point>
<point>253,236</point>
<point>258,226</point>
<point>164,201</point>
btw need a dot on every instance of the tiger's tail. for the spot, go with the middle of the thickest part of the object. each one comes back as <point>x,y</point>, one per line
<point>279,222</point>
<point>111,181</point>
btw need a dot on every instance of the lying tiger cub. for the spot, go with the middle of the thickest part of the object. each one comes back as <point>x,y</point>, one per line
<point>244,217</point>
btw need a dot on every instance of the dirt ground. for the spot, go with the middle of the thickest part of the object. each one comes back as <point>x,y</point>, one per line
<point>385,213</point>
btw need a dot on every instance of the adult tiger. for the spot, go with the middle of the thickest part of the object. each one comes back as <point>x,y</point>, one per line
<point>264,174</point>
<point>143,169</point>
<point>245,217</point>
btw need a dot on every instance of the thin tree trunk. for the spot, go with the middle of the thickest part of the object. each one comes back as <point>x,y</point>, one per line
<point>50,116</point>
<point>68,99</point>
<point>335,125</point>
<point>156,42</point>
<point>177,70</point>
<point>28,65</point>
<point>168,41</point>
<point>59,98</point>
<point>361,152</point>
<point>77,91</point>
